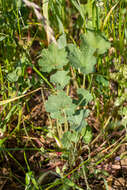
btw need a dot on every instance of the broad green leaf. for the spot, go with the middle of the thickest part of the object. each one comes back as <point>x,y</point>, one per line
<point>96,41</point>
<point>85,95</point>
<point>82,58</point>
<point>74,137</point>
<point>66,141</point>
<point>68,138</point>
<point>82,125</point>
<point>14,76</point>
<point>88,135</point>
<point>77,121</point>
<point>77,118</point>
<point>52,58</point>
<point>60,106</point>
<point>60,116</point>
<point>60,79</point>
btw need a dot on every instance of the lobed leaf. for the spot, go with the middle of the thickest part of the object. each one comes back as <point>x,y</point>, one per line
<point>82,59</point>
<point>60,106</point>
<point>77,121</point>
<point>96,41</point>
<point>68,138</point>
<point>84,94</point>
<point>60,79</point>
<point>52,58</point>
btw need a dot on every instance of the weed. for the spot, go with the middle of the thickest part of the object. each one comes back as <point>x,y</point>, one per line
<point>62,63</point>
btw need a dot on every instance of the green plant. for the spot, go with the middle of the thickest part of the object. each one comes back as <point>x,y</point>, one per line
<point>85,114</point>
<point>71,129</point>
